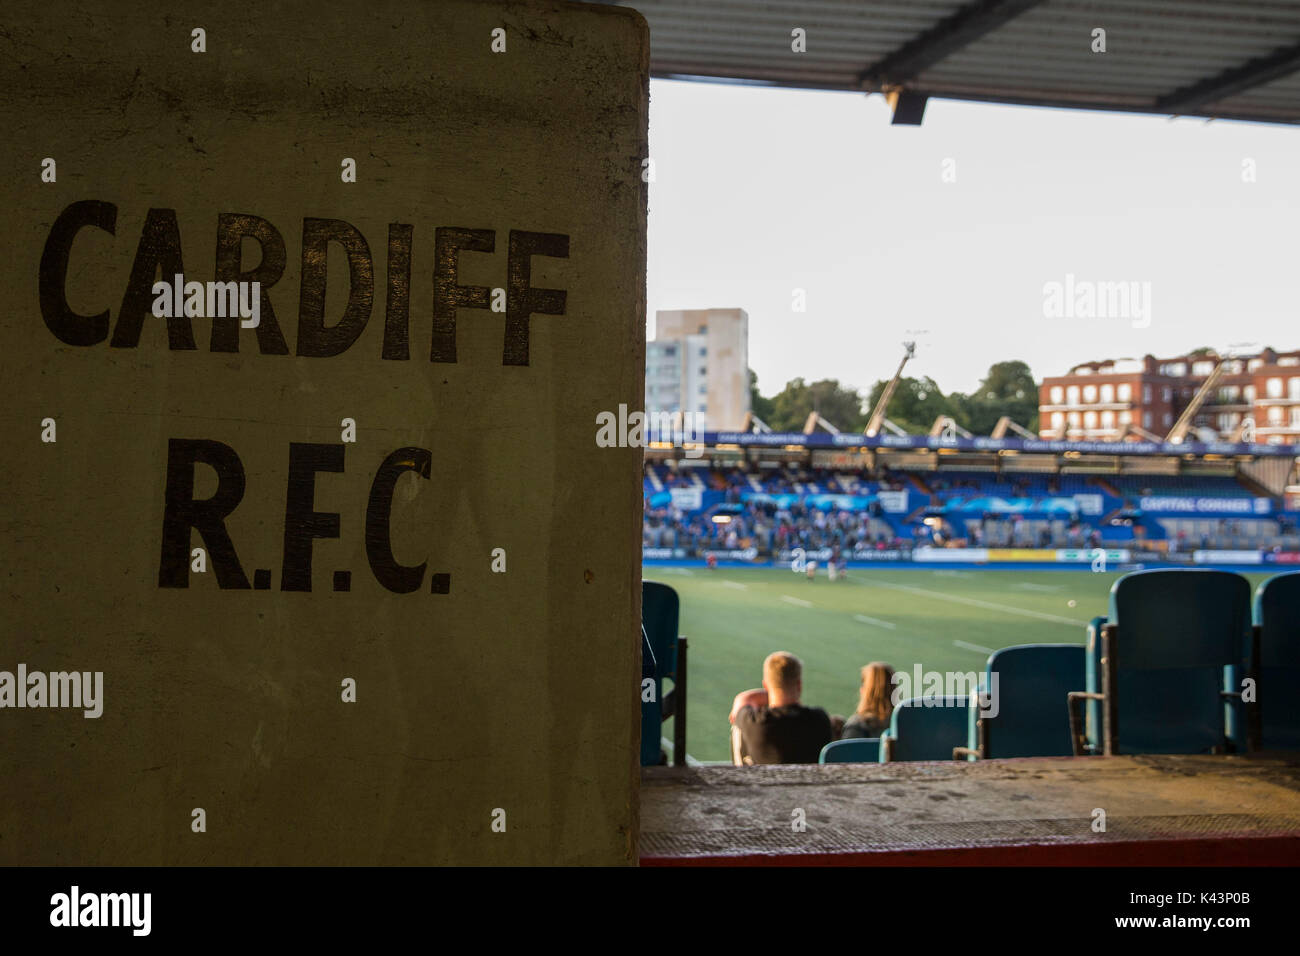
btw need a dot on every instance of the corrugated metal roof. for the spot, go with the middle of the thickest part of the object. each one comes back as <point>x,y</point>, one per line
<point>1234,59</point>
<point>1280,99</point>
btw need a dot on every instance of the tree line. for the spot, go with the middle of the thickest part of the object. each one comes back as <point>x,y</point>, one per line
<point>1007,389</point>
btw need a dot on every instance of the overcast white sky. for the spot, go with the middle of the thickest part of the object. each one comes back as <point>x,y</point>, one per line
<point>758,192</point>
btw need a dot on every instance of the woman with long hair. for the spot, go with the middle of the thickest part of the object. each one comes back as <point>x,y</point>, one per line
<point>875,703</point>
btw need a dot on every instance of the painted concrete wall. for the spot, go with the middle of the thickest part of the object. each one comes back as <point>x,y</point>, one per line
<point>475,689</point>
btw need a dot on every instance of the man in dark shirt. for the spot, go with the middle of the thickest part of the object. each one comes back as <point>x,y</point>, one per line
<point>770,725</point>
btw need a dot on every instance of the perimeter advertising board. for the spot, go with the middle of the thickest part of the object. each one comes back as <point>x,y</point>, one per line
<point>310,555</point>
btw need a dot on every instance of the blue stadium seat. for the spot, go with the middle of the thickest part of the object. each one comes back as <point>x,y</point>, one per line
<point>1027,714</point>
<point>1174,637</point>
<point>1277,670</point>
<point>853,750</point>
<point>1182,485</point>
<point>660,609</point>
<point>925,728</point>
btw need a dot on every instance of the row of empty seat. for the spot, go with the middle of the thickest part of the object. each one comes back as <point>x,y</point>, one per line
<point>818,481</point>
<point>1213,486</point>
<point>1183,663</point>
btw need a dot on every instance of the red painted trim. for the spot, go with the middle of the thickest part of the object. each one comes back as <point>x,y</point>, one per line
<point>1282,849</point>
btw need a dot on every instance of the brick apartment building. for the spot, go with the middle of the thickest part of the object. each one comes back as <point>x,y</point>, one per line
<point>1105,401</point>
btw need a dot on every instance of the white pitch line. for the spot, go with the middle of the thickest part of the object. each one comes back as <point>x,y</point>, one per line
<point>794,600</point>
<point>735,584</point>
<point>668,745</point>
<point>974,647</point>
<point>973,602</point>
<point>876,621</point>
<point>1044,588</point>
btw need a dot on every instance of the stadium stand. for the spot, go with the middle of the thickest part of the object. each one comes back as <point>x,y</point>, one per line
<point>1181,641</point>
<point>1135,487</point>
<point>699,509</point>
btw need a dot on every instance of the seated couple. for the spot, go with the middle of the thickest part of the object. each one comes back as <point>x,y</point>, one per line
<point>769,725</point>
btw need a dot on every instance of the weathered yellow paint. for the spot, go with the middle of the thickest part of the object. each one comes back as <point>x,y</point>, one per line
<point>515,691</point>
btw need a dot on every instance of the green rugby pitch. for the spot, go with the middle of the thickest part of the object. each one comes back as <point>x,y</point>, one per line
<point>944,620</point>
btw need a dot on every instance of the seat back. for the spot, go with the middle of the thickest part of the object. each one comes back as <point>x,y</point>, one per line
<point>660,608</point>
<point>659,612</point>
<point>927,728</point>
<point>1179,630</point>
<point>1277,613</point>
<point>853,750</point>
<point>1025,711</point>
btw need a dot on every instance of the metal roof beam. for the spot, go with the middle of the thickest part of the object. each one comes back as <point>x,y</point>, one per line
<point>1230,82</point>
<point>944,38</point>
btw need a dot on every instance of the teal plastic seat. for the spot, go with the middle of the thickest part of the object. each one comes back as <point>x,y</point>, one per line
<point>1277,671</point>
<point>1024,713</point>
<point>1180,637</point>
<point>660,609</point>
<point>853,750</point>
<point>925,728</point>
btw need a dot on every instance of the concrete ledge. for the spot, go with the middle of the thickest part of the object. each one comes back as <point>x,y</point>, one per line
<point>1159,810</point>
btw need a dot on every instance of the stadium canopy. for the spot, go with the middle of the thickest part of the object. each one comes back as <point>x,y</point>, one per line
<point>1227,59</point>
